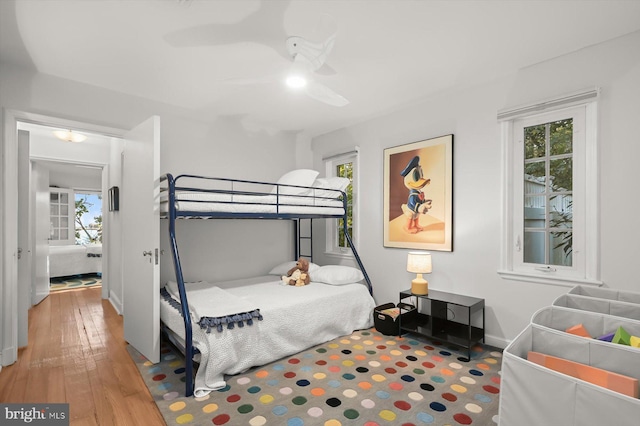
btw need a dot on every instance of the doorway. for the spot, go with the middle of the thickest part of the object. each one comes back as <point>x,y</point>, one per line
<point>101,152</point>
<point>66,180</point>
<point>75,219</point>
<point>140,147</point>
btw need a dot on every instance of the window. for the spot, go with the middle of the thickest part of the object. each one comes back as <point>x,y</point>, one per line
<point>60,216</point>
<point>88,218</point>
<point>548,193</point>
<point>550,230</point>
<point>343,165</point>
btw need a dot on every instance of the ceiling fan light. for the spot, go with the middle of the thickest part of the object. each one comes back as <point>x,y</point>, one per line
<point>69,136</point>
<point>296,81</point>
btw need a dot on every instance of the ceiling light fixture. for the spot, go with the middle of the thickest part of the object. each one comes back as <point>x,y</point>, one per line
<point>69,136</point>
<point>296,81</point>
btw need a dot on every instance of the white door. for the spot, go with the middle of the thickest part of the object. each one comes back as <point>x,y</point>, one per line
<point>140,210</point>
<point>40,232</point>
<point>24,249</point>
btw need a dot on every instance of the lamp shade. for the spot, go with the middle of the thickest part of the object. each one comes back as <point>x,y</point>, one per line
<point>419,262</point>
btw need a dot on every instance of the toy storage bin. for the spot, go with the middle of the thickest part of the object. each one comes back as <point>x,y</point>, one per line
<point>534,395</point>
<point>597,324</point>
<point>606,293</point>
<point>389,324</point>
<point>603,306</point>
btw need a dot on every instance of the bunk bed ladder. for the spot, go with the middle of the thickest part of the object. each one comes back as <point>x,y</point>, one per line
<point>300,237</point>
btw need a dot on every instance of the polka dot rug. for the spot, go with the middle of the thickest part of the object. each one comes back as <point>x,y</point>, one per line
<point>75,281</point>
<point>365,378</point>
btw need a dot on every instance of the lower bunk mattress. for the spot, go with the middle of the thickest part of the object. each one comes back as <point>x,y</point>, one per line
<point>293,319</point>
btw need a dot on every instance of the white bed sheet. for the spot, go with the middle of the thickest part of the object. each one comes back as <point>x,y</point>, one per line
<point>295,318</point>
<point>227,203</point>
<point>73,260</point>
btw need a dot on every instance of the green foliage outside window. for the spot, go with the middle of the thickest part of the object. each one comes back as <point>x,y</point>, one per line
<point>346,170</point>
<point>87,233</point>
<point>549,162</point>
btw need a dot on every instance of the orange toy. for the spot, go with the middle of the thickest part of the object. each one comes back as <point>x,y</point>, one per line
<point>579,330</point>
<point>616,382</point>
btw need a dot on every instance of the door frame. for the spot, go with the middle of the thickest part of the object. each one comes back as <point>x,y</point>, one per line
<point>9,218</point>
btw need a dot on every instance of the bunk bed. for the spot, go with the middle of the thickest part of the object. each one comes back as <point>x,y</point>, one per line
<point>255,321</point>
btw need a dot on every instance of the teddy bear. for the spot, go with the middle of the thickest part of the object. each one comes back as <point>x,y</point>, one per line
<point>298,275</point>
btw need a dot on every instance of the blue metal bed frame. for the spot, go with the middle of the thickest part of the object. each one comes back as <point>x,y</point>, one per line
<point>173,214</point>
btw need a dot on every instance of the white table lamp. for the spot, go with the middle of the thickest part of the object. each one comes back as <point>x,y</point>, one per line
<point>419,262</point>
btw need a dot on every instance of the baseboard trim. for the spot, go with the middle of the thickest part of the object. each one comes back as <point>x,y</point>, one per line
<point>8,356</point>
<point>498,342</point>
<point>116,303</point>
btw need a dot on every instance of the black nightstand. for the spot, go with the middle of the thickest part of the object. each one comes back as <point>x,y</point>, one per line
<point>437,325</point>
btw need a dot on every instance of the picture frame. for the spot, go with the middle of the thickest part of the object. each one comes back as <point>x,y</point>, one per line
<point>114,199</point>
<point>418,195</point>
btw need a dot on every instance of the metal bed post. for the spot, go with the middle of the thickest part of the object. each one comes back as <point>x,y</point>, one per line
<point>184,305</point>
<point>296,238</point>
<point>353,248</point>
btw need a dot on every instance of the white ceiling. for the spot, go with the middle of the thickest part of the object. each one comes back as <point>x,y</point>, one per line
<point>387,54</point>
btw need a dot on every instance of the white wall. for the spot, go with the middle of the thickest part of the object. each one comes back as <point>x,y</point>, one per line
<point>470,115</point>
<point>68,179</point>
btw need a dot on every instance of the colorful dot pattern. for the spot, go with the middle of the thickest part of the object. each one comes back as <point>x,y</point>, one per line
<point>366,378</point>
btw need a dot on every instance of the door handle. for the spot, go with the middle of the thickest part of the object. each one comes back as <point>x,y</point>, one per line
<point>148,253</point>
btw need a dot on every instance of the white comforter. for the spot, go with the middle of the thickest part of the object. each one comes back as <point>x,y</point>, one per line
<point>295,318</point>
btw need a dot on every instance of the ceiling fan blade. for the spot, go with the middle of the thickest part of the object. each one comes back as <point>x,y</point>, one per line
<point>323,94</point>
<point>312,55</point>
<point>325,69</point>
<point>251,29</point>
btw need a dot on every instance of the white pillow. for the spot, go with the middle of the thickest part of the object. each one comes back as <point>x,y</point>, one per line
<point>335,182</point>
<point>337,275</point>
<point>300,177</point>
<point>326,186</point>
<point>283,268</point>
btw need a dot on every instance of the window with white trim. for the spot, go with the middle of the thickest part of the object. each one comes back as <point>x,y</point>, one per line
<point>343,165</point>
<point>550,207</point>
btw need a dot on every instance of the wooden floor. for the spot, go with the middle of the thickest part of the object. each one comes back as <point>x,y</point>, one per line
<point>76,354</point>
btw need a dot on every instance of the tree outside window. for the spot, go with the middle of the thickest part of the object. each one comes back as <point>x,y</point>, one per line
<point>88,218</point>
<point>346,170</point>
<point>548,190</point>
<point>344,165</point>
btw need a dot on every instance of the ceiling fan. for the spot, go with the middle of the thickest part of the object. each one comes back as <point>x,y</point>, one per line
<point>308,58</point>
<point>308,63</point>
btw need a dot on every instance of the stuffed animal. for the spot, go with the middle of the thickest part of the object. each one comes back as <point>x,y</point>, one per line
<point>298,275</point>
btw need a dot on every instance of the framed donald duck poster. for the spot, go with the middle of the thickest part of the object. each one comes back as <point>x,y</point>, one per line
<point>418,195</point>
